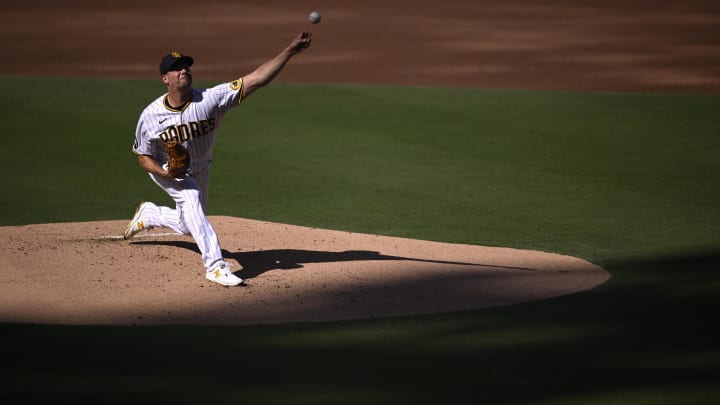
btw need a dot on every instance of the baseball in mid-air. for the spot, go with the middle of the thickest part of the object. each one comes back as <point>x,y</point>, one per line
<point>314,17</point>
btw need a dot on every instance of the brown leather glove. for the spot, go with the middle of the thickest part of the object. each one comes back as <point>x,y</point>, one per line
<point>178,159</point>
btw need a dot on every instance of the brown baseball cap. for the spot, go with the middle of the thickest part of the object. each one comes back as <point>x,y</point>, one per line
<point>174,59</point>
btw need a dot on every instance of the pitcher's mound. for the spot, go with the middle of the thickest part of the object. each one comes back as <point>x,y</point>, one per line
<point>85,273</point>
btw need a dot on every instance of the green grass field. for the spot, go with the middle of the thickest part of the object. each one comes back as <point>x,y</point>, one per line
<point>628,181</point>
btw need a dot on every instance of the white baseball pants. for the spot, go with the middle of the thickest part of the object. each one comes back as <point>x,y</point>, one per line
<point>188,216</point>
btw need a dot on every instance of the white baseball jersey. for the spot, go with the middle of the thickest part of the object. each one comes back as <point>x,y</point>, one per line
<point>194,124</point>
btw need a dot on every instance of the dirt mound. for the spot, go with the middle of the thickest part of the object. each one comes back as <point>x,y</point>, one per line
<point>85,273</point>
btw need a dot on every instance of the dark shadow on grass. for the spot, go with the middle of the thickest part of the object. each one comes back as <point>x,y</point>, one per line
<point>649,335</point>
<point>261,261</point>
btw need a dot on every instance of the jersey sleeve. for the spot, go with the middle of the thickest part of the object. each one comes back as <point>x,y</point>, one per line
<point>142,145</point>
<point>228,95</point>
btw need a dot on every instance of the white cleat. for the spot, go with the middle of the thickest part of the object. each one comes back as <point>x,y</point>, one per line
<point>136,224</point>
<point>221,274</point>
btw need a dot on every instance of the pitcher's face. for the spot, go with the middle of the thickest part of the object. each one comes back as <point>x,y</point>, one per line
<point>178,78</point>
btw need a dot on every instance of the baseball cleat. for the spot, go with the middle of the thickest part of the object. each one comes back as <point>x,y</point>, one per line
<point>221,274</point>
<point>136,223</point>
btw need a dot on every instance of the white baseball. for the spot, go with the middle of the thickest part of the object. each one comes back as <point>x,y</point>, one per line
<point>314,17</point>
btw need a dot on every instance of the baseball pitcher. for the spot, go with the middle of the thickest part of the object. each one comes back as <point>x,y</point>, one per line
<point>174,143</point>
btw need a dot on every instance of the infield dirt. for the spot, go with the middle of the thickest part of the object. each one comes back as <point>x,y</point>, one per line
<point>86,273</point>
<point>595,45</point>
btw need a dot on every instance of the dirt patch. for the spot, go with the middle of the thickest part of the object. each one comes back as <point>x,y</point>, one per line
<point>599,45</point>
<point>85,273</point>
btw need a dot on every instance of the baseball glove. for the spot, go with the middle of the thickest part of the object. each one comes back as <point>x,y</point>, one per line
<point>178,159</point>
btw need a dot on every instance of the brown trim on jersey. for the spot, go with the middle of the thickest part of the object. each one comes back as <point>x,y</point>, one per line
<point>174,109</point>
<point>238,85</point>
<point>242,89</point>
